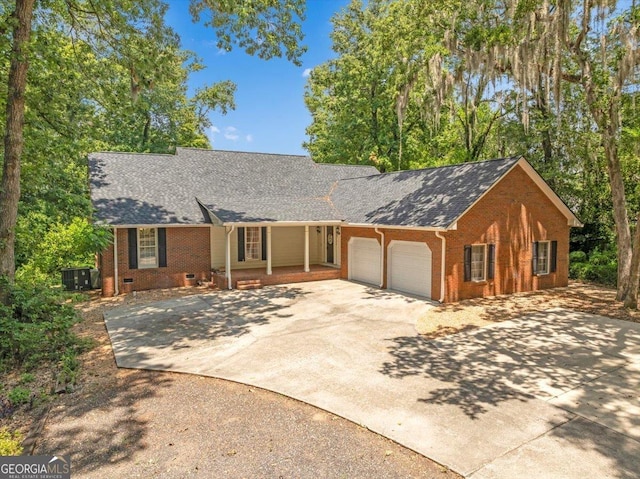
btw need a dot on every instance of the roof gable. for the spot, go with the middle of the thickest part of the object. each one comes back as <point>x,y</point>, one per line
<point>572,219</point>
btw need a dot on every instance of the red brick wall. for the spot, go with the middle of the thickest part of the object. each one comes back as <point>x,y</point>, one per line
<point>513,215</point>
<point>188,252</point>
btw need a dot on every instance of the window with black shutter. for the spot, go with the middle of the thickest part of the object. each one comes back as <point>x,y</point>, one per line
<point>491,267</point>
<point>132,234</point>
<point>241,256</point>
<point>147,248</point>
<point>467,262</point>
<point>542,257</point>
<point>554,256</point>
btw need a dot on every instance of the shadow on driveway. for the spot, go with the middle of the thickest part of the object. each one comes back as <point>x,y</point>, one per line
<point>185,323</point>
<point>471,401</point>
<point>587,365</point>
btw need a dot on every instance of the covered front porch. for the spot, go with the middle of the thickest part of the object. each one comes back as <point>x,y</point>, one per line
<point>258,277</point>
<point>251,255</point>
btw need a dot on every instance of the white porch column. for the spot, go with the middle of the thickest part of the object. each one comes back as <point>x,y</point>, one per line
<point>306,249</point>
<point>268,249</point>
<point>116,289</point>
<point>227,266</point>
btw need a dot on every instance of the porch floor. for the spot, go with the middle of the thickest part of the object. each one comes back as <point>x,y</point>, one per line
<point>280,275</point>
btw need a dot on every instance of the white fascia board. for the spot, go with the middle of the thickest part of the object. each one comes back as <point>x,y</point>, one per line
<point>241,224</point>
<point>393,227</point>
<point>163,225</point>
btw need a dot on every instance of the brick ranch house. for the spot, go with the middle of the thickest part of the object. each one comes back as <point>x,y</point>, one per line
<point>448,233</point>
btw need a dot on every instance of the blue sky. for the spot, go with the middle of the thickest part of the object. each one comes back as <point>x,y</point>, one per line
<point>270,114</point>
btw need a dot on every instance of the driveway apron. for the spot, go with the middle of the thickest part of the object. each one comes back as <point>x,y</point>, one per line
<point>553,394</point>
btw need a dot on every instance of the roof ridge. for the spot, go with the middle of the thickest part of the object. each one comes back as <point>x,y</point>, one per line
<point>209,150</point>
<point>429,168</point>
<point>141,153</point>
<point>344,164</point>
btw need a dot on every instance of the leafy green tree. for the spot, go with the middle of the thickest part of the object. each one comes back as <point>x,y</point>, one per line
<point>390,98</point>
<point>108,74</point>
<point>594,47</point>
<point>419,83</point>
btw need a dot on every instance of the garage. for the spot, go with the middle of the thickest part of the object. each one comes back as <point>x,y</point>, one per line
<point>409,267</point>
<point>364,260</point>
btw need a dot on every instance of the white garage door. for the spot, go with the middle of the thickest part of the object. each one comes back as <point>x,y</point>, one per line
<point>364,260</point>
<point>409,267</point>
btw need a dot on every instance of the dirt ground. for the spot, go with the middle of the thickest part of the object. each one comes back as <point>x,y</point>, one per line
<point>474,313</point>
<point>129,423</point>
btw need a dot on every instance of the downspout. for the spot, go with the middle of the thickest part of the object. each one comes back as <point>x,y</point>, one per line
<point>228,257</point>
<point>381,256</point>
<point>116,290</point>
<point>442,265</point>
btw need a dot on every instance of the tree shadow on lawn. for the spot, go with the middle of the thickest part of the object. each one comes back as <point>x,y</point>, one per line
<point>184,322</point>
<point>539,356</point>
<point>102,426</point>
<point>582,297</point>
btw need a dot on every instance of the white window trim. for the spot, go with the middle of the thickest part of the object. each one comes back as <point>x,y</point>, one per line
<point>140,265</point>
<point>484,263</point>
<point>246,243</point>
<point>547,262</point>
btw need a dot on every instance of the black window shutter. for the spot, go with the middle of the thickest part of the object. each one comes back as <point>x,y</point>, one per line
<point>162,247</point>
<point>241,244</point>
<point>554,256</point>
<point>534,257</point>
<point>491,271</point>
<point>467,262</point>
<point>263,232</point>
<point>133,248</point>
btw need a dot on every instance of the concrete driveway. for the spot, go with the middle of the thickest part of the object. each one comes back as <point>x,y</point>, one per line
<point>548,395</point>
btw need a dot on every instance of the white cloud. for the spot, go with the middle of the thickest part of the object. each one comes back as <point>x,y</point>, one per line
<point>249,138</point>
<point>306,72</point>
<point>214,129</point>
<point>231,133</point>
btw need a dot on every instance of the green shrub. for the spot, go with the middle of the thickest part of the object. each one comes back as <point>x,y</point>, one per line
<point>63,245</point>
<point>27,378</point>
<point>36,326</point>
<point>68,367</point>
<point>10,443</point>
<point>577,257</point>
<point>19,395</point>
<point>598,267</point>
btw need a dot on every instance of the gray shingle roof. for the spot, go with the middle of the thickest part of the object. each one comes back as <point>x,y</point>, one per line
<point>434,197</point>
<point>237,187</point>
<point>131,189</point>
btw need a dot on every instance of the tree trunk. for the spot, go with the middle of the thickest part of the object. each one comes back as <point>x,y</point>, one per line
<point>623,231</point>
<point>631,301</point>
<point>146,131</point>
<point>13,140</point>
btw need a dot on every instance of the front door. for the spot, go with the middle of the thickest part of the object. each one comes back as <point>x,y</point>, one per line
<point>329,241</point>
